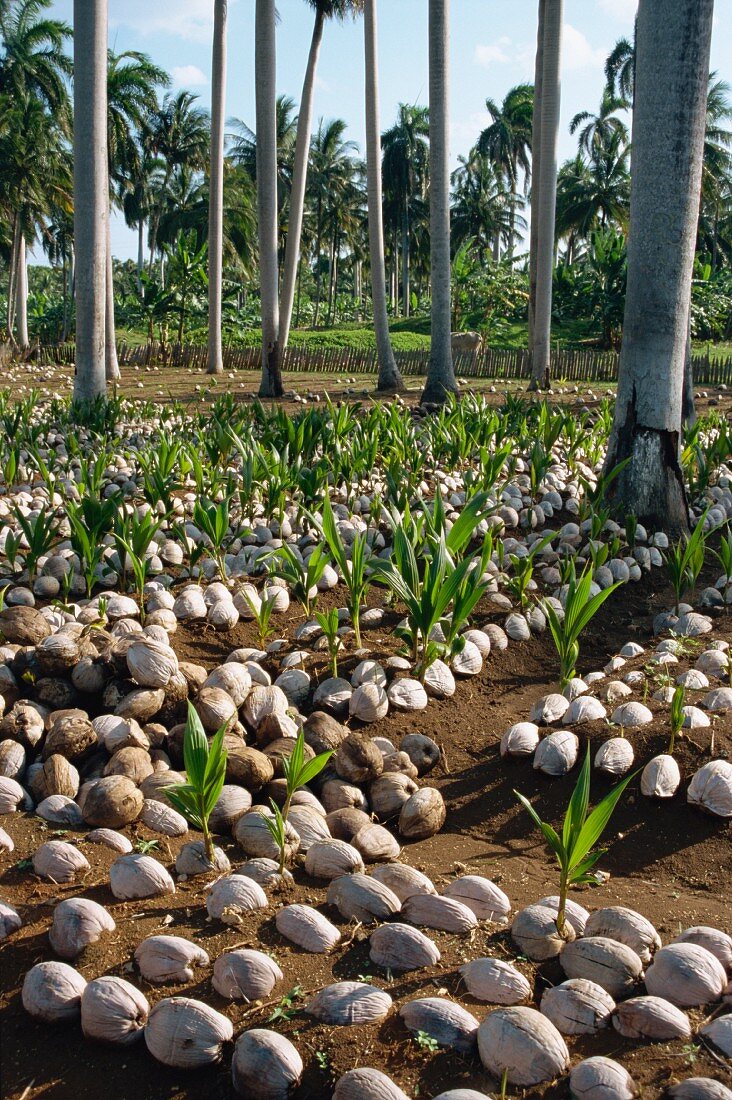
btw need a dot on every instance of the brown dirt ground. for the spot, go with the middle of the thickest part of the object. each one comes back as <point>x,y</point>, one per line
<point>668,861</point>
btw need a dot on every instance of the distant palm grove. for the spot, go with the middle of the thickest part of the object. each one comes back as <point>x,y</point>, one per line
<point>283,230</point>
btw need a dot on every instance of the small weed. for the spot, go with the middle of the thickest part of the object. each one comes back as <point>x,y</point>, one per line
<point>287,1008</point>
<point>323,1060</point>
<point>24,864</point>
<point>426,1042</point>
<point>145,846</point>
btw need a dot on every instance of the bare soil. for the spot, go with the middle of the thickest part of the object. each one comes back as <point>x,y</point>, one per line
<point>668,861</point>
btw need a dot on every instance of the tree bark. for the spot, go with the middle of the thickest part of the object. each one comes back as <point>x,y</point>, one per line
<point>389,375</point>
<point>688,409</point>
<point>299,181</point>
<point>91,199</point>
<point>546,213</point>
<point>405,259</point>
<point>440,373</point>
<point>140,251</point>
<point>13,274</point>
<point>266,96</point>
<point>535,169</point>
<point>111,365</point>
<point>216,189</point>
<point>21,294</point>
<point>672,66</point>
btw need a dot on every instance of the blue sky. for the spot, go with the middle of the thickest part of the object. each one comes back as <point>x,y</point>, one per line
<point>492,48</point>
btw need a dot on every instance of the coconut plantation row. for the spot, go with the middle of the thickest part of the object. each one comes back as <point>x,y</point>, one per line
<point>242,833</point>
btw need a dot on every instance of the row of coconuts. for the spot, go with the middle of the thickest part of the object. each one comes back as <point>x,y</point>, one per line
<point>556,753</point>
<point>603,955</point>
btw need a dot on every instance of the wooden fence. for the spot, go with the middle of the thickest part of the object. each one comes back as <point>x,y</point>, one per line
<point>573,365</point>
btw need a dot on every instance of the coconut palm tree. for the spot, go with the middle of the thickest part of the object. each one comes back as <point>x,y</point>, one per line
<point>33,62</point>
<point>177,132</point>
<point>717,164</point>
<point>132,82</point>
<point>405,167</point>
<point>507,142</point>
<point>672,66</point>
<point>389,375</point>
<point>482,209</point>
<point>620,71</point>
<point>216,188</point>
<point>547,183</point>
<point>331,174</point>
<point>440,372</point>
<point>324,9</point>
<point>91,199</point>
<point>595,192</point>
<point>597,130</point>
<point>266,108</point>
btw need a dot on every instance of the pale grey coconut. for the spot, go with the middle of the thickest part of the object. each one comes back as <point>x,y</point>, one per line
<point>615,756</point>
<point>403,880</point>
<point>52,992</point>
<point>169,959</point>
<point>713,939</point>
<point>161,818</point>
<point>448,1023</point>
<point>375,844</point>
<point>556,755</point>
<point>6,841</point>
<point>245,975</point>
<point>519,740</point>
<point>113,1011</point>
<point>486,900</point>
<point>185,1033</point>
<point>12,795</point>
<point>60,862</point>
<point>711,788</point>
<point>310,826</point>
<point>347,1003</point>
<point>9,920</point>
<point>700,1088</point>
<point>388,794</point>
<point>265,1065</point>
<point>549,709</point>
<point>444,914</point>
<point>652,1019</point>
<point>628,927</point>
<point>400,947</point>
<point>233,895</point>
<point>423,814</point>
<point>367,1084</point>
<point>328,859</point>
<point>686,974</point>
<point>574,913</point>
<point>423,752</point>
<point>139,876</point>
<point>534,930</point>
<point>598,1078</point>
<point>308,928</point>
<point>719,1032</point>
<point>264,871</point>
<point>608,963</point>
<point>192,860</point>
<point>439,681</point>
<point>584,709</point>
<point>719,700</point>
<point>577,1007</point>
<point>631,715</point>
<point>495,981</point>
<point>362,897</point>
<point>233,803</point>
<point>524,1044</point>
<point>77,923</point>
<point>661,777</point>
<point>253,836</point>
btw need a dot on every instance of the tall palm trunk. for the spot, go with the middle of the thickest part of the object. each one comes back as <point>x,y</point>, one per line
<point>13,274</point>
<point>21,294</point>
<point>389,375</point>
<point>440,373</point>
<point>140,251</point>
<point>672,66</point>
<point>405,258</point>
<point>547,198</point>
<point>266,94</point>
<point>216,189</point>
<point>111,365</point>
<point>536,162</point>
<point>299,181</point>
<point>91,199</point>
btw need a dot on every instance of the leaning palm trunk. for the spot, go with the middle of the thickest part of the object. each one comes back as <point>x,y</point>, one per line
<point>673,44</point>
<point>91,198</point>
<point>440,373</point>
<point>389,375</point>
<point>265,61</point>
<point>535,169</point>
<point>547,201</point>
<point>216,189</point>
<point>21,294</point>
<point>111,364</point>
<point>299,181</point>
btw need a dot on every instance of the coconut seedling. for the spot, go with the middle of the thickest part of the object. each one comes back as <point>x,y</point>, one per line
<point>213,519</point>
<point>90,520</point>
<point>40,533</point>
<point>262,610</point>
<point>581,830</point>
<point>724,554</point>
<point>329,624</point>
<point>301,576</point>
<point>133,536</point>
<point>353,568</point>
<point>677,717</point>
<point>205,767</point>
<point>579,610</point>
<point>685,560</point>
<point>298,772</point>
<point>519,583</point>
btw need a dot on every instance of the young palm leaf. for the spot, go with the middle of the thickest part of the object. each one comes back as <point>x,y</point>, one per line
<point>579,609</point>
<point>205,773</point>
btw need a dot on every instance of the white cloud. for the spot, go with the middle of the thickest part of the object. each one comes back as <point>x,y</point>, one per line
<point>464,132</point>
<point>622,10</point>
<point>191,19</point>
<point>322,85</point>
<point>189,76</point>
<point>577,53</point>
<point>487,54</point>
